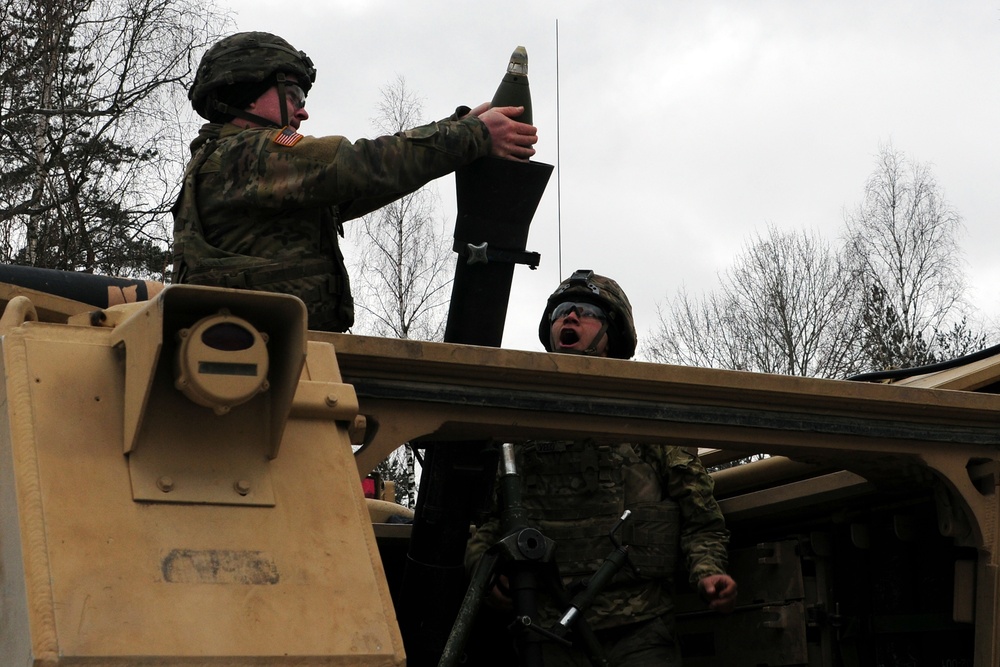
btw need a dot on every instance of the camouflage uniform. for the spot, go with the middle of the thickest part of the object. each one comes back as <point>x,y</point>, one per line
<point>574,492</point>
<point>272,214</point>
<point>262,208</point>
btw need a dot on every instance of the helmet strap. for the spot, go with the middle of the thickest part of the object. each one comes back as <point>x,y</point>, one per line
<point>591,349</point>
<point>224,108</point>
<point>282,99</point>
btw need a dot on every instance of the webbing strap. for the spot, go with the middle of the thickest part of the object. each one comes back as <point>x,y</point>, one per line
<point>252,278</point>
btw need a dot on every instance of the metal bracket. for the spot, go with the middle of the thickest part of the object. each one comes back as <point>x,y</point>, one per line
<point>483,254</point>
<point>183,451</point>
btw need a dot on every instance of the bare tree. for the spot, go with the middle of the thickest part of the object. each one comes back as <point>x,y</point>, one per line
<point>403,259</point>
<point>891,298</point>
<point>91,141</point>
<point>402,267</point>
<point>400,468</point>
<point>698,332</point>
<point>903,239</point>
<point>786,305</point>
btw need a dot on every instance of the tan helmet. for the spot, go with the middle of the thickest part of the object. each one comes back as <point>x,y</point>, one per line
<point>238,65</point>
<point>585,285</point>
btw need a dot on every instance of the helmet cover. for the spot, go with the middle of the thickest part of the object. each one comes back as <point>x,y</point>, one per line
<point>241,62</point>
<point>586,286</point>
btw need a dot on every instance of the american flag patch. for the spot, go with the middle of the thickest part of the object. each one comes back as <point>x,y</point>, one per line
<point>287,137</point>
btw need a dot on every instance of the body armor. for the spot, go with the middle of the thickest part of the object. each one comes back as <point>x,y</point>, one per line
<point>574,492</point>
<point>320,281</point>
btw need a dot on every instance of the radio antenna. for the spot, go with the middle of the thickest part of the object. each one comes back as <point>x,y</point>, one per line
<point>558,163</point>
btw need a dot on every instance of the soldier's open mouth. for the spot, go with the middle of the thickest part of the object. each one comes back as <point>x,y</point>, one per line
<point>568,337</point>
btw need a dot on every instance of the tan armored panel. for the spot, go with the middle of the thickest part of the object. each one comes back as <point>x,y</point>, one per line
<point>840,453</point>
<point>142,528</point>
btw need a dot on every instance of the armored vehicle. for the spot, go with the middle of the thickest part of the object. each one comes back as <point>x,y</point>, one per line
<point>178,486</point>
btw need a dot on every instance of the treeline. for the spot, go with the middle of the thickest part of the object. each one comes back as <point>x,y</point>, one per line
<point>93,116</point>
<point>889,293</point>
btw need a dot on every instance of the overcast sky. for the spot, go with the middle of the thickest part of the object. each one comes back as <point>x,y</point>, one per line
<point>683,127</point>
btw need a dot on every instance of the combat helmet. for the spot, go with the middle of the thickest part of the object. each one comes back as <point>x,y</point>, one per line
<point>237,69</point>
<point>585,285</point>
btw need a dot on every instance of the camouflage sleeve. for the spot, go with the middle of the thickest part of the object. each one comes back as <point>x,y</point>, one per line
<point>704,536</point>
<point>484,538</point>
<point>362,176</point>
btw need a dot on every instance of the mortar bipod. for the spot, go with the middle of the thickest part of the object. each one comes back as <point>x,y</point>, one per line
<point>527,553</point>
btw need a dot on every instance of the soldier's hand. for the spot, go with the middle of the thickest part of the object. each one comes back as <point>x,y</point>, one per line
<point>499,595</point>
<point>509,138</point>
<point>719,591</point>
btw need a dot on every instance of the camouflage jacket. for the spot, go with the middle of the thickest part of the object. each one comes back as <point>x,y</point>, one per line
<point>262,209</point>
<point>574,500</point>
